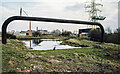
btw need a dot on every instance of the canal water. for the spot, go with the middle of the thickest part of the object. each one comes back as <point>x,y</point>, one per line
<point>46,44</point>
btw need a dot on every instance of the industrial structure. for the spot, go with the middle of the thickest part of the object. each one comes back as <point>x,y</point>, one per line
<point>92,9</point>
<point>29,33</point>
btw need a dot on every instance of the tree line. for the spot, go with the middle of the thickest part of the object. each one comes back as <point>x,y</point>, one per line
<point>109,37</point>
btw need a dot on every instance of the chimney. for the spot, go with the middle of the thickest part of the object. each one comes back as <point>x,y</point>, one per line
<point>30,26</point>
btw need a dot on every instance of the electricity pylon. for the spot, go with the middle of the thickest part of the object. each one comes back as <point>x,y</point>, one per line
<point>93,10</point>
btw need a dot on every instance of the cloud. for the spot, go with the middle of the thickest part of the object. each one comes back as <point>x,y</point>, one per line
<point>64,9</point>
<point>75,7</point>
<point>43,10</point>
<point>110,11</point>
<point>5,13</point>
<point>54,0</point>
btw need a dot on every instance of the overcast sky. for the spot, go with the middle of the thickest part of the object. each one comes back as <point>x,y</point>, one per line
<point>63,9</point>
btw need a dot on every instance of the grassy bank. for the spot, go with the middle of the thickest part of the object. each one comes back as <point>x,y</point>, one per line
<point>100,58</point>
<point>110,49</point>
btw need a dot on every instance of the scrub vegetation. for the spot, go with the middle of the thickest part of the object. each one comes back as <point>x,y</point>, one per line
<point>41,37</point>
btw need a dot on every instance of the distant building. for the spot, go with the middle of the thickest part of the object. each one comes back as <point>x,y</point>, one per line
<point>33,31</point>
<point>43,31</point>
<point>83,32</point>
<point>28,32</point>
<point>56,31</point>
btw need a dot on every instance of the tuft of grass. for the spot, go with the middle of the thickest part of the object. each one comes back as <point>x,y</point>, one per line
<point>79,43</point>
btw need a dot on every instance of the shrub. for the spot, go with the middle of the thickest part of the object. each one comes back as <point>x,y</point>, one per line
<point>66,33</point>
<point>111,38</point>
<point>36,34</point>
<point>95,34</point>
<point>11,36</point>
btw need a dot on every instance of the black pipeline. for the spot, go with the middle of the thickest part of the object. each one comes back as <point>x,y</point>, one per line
<point>5,24</point>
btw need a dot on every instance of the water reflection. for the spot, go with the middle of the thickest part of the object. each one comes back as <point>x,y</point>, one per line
<point>37,41</point>
<point>30,44</point>
<point>46,44</point>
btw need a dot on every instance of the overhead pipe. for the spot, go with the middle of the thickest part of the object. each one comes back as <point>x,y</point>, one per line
<point>10,19</point>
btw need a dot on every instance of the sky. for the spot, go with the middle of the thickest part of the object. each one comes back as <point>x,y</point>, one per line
<point>63,9</point>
